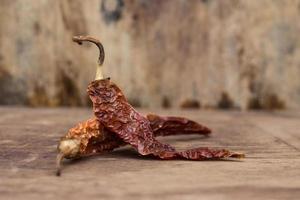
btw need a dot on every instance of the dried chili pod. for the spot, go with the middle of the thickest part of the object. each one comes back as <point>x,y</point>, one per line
<point>117,115</point>
<point>119,123</point>
<point>86,138</point>
<point>90,137</point>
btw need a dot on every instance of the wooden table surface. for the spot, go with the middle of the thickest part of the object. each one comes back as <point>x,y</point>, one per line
<point>271,170</point>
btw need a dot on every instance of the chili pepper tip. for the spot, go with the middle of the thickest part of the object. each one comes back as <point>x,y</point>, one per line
<point>237,155</point>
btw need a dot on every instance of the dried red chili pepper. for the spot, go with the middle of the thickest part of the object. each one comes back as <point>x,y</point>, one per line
<point>126,125</point>
<point>90,137</point>
<point>117,115</point>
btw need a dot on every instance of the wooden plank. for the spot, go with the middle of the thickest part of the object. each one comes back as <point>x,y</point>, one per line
<point>282,127</point>
<point>28,139</point>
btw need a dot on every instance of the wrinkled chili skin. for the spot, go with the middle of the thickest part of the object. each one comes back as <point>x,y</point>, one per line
<point>117,115</point>
<point>169,125</point>
<point>93,137</point>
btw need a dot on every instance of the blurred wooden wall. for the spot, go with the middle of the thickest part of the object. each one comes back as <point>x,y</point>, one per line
<point>225,54</point>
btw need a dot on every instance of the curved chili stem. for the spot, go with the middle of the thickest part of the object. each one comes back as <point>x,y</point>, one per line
<point>59,158</point>
<point>80,39</point>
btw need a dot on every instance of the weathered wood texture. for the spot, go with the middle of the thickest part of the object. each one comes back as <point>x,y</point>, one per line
<point>271,141</point>
<point>229,53</point>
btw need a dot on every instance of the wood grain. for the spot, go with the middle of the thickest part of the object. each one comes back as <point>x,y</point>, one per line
<point>271,142</point>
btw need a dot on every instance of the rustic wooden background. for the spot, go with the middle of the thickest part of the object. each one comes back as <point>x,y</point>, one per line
<point>271,142</point>
<point>224,54</point>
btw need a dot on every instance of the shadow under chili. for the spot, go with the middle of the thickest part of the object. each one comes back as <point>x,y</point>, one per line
<point>129,153</point>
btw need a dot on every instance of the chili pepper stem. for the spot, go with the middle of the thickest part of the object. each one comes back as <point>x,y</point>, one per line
<point>99,73</point>
<point>59,158</point>
<point>80,39</point>
<point>67,148</point>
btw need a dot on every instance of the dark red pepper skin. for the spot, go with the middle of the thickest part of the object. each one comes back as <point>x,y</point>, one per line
<point>115,113</point>
<point>169,125</point>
